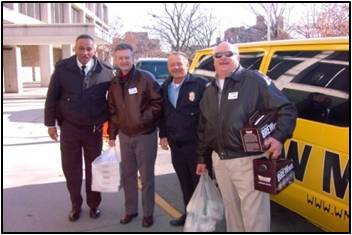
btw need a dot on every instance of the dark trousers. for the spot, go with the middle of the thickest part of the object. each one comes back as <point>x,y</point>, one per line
<point>184,160</point>
<point>74,139</point>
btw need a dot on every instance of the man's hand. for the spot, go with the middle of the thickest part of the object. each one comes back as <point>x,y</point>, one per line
<point>201,169</point>
<point>274,147</point>
<point>111,143</point>
<point>163,143</point>
<point>52,131</point>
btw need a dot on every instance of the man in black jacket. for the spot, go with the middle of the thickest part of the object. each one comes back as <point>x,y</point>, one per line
<point>178,129</point>
<point>225,108</point>
<point>76,101</point>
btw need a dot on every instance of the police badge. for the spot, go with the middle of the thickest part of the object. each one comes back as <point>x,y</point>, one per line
<point>191,96</point>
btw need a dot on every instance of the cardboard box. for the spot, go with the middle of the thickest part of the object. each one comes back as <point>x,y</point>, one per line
<point>259,127</point>
<point>272,176</point>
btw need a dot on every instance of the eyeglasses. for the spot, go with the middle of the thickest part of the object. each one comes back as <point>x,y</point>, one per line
<point>218,55</point>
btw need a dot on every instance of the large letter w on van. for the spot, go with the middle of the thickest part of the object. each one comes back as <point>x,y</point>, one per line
<point>332,165</point>
<point>299,166</point>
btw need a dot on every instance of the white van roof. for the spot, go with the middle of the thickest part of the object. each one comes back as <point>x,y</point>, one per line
<point>152,59</point>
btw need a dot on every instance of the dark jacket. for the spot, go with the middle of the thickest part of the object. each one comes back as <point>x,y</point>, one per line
<point>179,124</point>
<point>69,98</point>
<point>244,92</point>
<point>135,104</point>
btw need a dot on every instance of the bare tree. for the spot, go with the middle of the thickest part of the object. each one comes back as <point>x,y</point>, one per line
<point>104,51</point>
<point>276,17</point>
<point>204,35</point>
<point>184,27</point>
<point>115,27</point>
<point>324,20</point>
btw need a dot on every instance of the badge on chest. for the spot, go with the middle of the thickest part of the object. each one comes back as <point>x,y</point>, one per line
<point>132,91</point>
<point>191,96</point>
<point>232,95</point>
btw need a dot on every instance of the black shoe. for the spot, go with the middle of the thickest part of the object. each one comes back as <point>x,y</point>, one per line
<point>178,222</point>
<point>94,213</point>
<point>74,215</point>
<point>127,218</point>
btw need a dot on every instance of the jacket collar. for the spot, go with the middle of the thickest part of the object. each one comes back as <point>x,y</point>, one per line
<point>129,76</point>
<point>188,78</point>
<point>235,76</point>
<point>72,64</point>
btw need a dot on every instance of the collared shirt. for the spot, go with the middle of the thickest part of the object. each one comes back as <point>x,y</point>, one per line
<point>89,65</point>
<point>173,91</point>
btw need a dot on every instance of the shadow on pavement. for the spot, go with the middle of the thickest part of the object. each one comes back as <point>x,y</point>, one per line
<point>31,115</point>
<point>45,207</point>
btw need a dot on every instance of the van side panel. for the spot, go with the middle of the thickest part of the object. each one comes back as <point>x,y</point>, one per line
<point>321,159</point>
<point>319,149</point>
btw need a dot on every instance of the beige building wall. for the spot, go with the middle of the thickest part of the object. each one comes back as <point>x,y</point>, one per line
<point>35,61</point>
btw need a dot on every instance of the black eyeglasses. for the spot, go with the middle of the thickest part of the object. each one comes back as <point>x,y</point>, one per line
<point>218,55</point>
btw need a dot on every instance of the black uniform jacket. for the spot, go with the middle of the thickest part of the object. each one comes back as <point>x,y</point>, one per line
<point>180,124</point>
<point>244,92</point>
<point>69,98</point>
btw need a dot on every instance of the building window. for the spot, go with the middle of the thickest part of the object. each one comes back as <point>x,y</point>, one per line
<point>57,13</point>
<point>105,9</point>
<point>89,20</point>
<point>75,15</point>
<point>98,10</point>
<point>8,5</point>
<point>30,9</point>
<point>90,6</point>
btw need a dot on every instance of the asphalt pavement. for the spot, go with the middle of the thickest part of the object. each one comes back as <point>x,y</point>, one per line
<point>35,198</point>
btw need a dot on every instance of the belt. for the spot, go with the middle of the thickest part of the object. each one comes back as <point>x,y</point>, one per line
<point>94,127</point>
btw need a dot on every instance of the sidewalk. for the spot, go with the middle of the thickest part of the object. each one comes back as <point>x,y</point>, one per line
<point>31,90</point>
<point>35,198</point>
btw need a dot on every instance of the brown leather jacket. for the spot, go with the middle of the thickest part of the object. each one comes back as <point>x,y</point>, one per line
<point>135,104</point>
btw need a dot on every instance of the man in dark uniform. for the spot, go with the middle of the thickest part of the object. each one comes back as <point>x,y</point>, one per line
<point>178,129</point>
<point>76,101</point>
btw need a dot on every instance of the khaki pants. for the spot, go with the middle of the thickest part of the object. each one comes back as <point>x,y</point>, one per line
<point>246,209</point>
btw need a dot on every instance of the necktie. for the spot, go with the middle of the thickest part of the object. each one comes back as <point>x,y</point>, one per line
<point>82,70</point>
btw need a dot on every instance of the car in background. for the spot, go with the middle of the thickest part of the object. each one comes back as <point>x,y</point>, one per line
<point>156,66</point>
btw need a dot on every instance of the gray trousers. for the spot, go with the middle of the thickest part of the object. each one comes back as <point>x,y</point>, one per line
<point>138,153</point>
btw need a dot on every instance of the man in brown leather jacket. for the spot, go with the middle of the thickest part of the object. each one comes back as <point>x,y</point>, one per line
<point>135,104</point>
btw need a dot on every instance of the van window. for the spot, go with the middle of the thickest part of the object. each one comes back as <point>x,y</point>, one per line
<point>309,69</point>
<point>251,60</point>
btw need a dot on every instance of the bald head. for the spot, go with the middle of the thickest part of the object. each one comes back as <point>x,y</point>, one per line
<point>226,46</point>
<point>226,59</point>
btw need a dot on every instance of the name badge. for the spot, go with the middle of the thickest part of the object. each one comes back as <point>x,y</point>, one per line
<point>232,95</point>
<point>132,91</point>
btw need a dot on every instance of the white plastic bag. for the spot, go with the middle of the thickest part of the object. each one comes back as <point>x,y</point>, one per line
<point>106,171</point>
<point>205,207</point>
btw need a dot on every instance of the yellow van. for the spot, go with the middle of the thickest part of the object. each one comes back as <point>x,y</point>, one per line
<point>315,75</point>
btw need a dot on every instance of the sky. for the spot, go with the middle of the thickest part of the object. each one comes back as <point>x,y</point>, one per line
<point>136,15</point>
